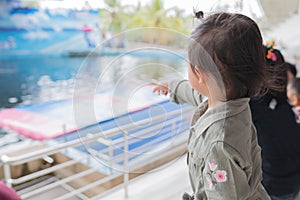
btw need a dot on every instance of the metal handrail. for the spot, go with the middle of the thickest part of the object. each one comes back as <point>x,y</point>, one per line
<point>106,153</point>
<point>86,187</point>
<point>56,148</point>
<point>58,182</point>
<point>43,172</point>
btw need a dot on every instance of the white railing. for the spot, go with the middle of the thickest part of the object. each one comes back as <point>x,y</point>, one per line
<point>121,156</point>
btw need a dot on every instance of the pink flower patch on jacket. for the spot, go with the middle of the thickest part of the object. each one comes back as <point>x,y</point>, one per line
<point>215,176</point>
<point>220,176</point>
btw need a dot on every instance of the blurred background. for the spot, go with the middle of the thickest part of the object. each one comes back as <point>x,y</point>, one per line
<point>43,43</point>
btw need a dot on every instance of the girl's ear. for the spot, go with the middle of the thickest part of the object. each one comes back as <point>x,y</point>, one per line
<point>200,75</point>
<point>297,100</point>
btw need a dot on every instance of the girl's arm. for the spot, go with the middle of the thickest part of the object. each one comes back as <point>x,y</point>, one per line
<point>180,92</point>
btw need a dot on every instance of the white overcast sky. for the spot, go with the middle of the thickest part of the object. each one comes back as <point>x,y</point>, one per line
<point>187,5</point>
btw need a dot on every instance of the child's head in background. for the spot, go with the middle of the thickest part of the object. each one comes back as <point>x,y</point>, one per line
<point>227,58</point>
<point>293,92</point>
<point>291,70</point>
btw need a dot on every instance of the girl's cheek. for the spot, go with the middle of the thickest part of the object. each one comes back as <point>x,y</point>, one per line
<point>192,78</point>
<point>190,74</point>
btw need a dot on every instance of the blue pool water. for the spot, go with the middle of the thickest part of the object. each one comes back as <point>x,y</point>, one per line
<point>26,81</point>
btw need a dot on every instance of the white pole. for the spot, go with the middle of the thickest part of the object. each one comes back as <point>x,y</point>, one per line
<point>7,172</point>
<point>298,7</point>
<point>126,168</point>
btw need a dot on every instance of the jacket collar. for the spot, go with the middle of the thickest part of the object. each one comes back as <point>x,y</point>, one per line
<point>207,116</point>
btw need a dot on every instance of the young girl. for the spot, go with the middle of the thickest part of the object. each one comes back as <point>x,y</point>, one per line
<point>226,67</point>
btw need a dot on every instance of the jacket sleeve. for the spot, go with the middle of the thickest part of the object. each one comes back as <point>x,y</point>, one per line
<point>181,92</point>
<point>223,177</point>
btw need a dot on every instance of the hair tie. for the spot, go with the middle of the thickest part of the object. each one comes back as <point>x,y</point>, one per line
<point>198,14</point>
<point>270,51</point>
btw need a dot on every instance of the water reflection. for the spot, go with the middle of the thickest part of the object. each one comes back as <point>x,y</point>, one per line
<point>32,80</point>
<point>10,84</point>
<point>25,81</point>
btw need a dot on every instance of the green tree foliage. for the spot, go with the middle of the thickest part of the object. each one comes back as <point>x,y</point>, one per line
<point>120,18</point>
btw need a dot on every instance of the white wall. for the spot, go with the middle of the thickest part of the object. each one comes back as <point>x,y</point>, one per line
<point>277,10</point>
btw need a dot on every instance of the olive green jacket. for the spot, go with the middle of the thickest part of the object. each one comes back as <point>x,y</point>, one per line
<point>224,158</point>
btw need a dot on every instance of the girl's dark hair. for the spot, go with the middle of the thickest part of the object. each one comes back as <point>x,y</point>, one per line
<point>229,47</point>
<point>276,81</point>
